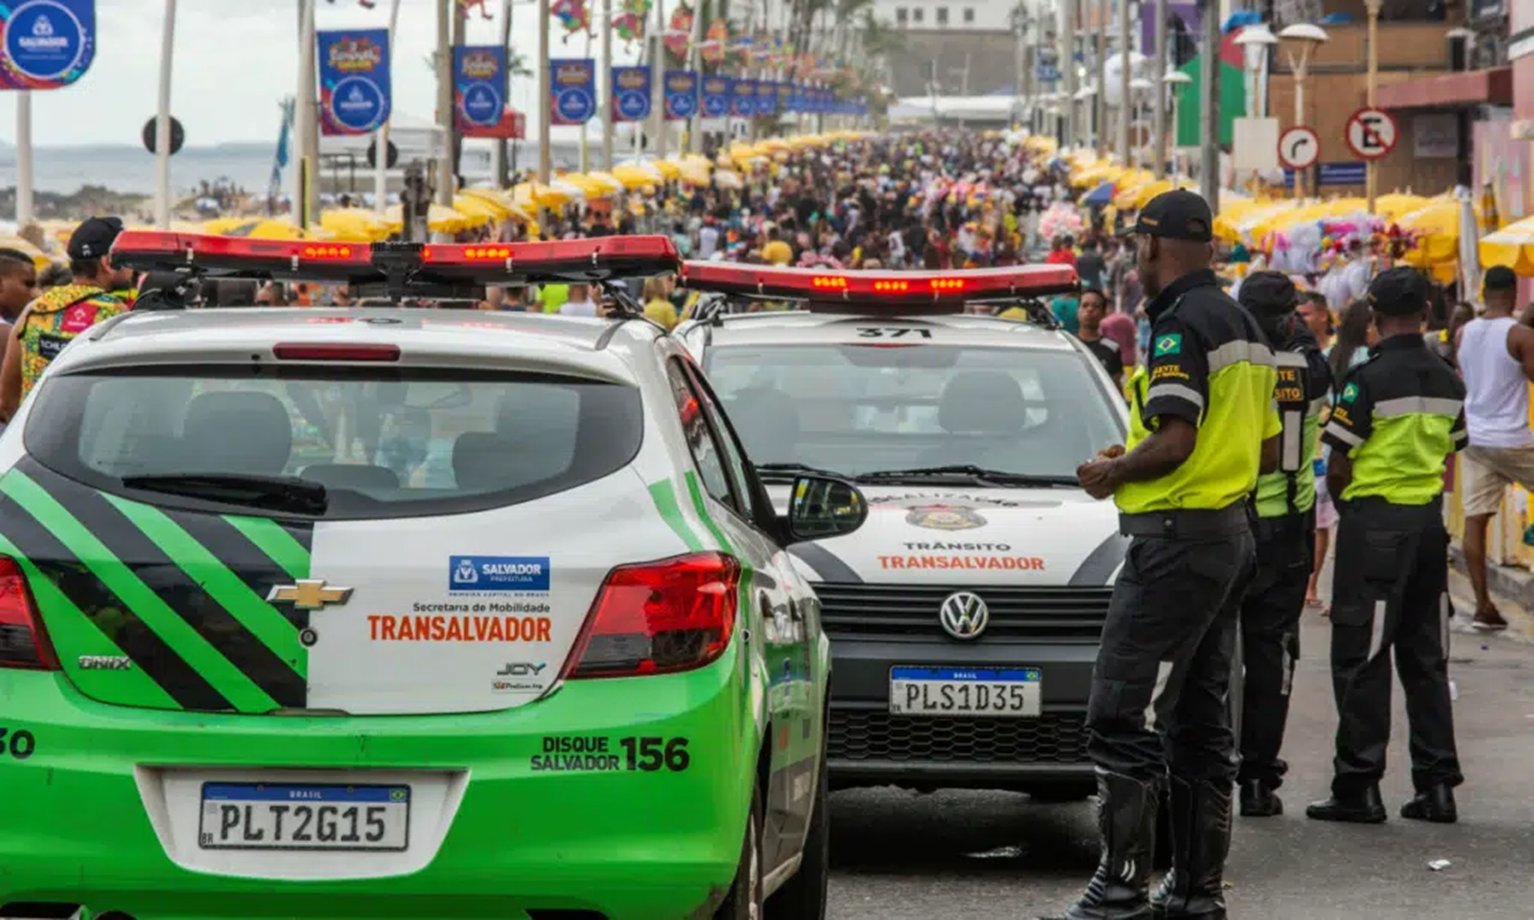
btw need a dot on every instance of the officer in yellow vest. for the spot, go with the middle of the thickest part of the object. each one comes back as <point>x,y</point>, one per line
<point>1202,426</point>
<point>1397,417</point>
<point>1285,533</point>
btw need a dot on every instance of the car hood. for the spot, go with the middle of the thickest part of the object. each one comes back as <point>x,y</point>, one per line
<point>971,536</point>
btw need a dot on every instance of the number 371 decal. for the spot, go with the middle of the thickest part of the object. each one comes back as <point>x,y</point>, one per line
<point>893,332</point>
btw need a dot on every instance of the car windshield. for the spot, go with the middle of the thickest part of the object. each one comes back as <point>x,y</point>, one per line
<point>860,409</point>
<point>333,443</point>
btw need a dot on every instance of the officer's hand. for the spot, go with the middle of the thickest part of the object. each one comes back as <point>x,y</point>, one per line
<point>1110,452</point>
<point>1099,476</point>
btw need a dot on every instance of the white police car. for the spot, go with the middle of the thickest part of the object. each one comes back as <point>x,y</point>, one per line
<point>362,610</point>
<point>965,614</point>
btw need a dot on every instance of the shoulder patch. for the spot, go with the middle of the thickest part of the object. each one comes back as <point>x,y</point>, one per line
<point>1349,393</point>
<point>1168,344</point>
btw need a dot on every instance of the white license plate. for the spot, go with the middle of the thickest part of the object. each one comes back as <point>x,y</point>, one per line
<point>966,691</point>
<point>278,816</point>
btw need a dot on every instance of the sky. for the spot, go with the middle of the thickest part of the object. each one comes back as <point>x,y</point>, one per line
<point>236,59</point>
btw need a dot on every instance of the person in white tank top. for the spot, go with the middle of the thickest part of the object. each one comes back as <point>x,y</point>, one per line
<point>1496,357</point>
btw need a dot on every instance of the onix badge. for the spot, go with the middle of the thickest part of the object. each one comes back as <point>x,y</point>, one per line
<point>309,594</point>
<point>964,615</point>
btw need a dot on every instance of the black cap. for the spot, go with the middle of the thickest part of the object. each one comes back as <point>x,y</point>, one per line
<point>1268,293</point>
<point>1398,292</point>
<point>1500,278</point>
<point>93,238</point>
<point>1177,215</point>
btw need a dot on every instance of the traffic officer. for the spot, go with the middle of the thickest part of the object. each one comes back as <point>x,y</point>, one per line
<point>1398,416</point>
<point>1285,534</point>
<point>1202,423</point>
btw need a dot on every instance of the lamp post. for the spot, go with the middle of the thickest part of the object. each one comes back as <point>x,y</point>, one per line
<point>1173,79</point>
<point>1371,175</point>
<point>1255,41</point>
<point>1140,90</point>
<point>1308,37</point>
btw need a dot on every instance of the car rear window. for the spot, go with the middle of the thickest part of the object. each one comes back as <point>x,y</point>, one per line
<point>383,442</point>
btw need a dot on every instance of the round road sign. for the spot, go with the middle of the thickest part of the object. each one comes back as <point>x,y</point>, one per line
<point>1299,148</point>
<point>1371,133</point>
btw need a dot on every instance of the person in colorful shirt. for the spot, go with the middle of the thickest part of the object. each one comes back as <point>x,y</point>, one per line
<point>54,319</point>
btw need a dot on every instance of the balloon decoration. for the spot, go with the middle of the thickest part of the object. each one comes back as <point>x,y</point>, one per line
<point>679,33</point>
<point>715,42</point>
<point>573,15</point>
<point>465,6</point>
<point>629,24</point>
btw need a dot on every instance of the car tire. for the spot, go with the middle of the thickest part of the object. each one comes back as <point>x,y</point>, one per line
<point>744,901</point>
<point>803,896</point>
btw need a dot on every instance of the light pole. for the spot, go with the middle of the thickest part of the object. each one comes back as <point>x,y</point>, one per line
<point>1172,80</point>
<point>1126,77</point>
<point>1371,175</point>
<point>1140,90</point>
<point>1255,42</point>
<point>1309,37</point>
<point>1100,80</point>
<point>162,121</point>
<point>1158,131</point>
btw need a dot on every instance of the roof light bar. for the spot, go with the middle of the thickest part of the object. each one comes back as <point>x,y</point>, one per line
<point>879,289</point>
<point>569,260</point>
<point>153,250</point>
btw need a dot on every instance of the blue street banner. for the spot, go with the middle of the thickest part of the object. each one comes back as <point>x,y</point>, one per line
<point>785,96</point>
<point>681,94</point>
<point>479,80</point>
<point>717,93</point>
<point>354,80</point>
<point>572,90</point>
<point>1343,173</point>
<point>766,97</point>
<point>46,44</point>
<point>743,98</point>
<point>631,93</point>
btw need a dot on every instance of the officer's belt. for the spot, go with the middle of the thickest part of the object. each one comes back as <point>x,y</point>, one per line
<point>1284,526</point>
<point>1187,523</point>
<point>1385,513</point>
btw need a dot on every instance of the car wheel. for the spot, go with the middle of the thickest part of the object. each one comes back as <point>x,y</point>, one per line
<point>803,897</point>
<point>744,902</point>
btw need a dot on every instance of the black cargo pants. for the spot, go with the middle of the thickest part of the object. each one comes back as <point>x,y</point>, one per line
<point>1390,594</point>
<point>1270,639</point>
<point>1160,687</point>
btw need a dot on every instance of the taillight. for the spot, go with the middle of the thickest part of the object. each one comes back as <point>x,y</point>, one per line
<point>23,640</point>
<point>659,617</point>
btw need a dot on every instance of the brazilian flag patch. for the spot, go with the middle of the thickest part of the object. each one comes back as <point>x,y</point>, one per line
<point>1169,344</point>
<point>1349,393</point>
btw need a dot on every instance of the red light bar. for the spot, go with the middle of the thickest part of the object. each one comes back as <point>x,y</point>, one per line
<point>834,289</point>
<point>153,250</point>
<point>335,351</point>
<point>566,260</point>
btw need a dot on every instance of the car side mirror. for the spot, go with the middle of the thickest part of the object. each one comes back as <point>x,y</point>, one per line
<point>820,508</point>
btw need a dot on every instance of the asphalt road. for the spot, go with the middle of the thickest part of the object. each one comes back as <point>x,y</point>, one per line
<point>902,856</point>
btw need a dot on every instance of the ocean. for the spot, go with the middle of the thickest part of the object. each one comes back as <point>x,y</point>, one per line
<point>127,169</point>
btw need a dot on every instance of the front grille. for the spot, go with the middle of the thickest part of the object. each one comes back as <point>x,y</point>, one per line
<point>873,735</point>
<point>1032,613</point>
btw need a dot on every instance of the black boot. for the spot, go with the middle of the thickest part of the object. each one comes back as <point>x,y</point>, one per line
<point>1195,888</point>
<point>1126,818</point>
<point>1435,804</point>
<point>1364,807</point>
<point>1258,800</point>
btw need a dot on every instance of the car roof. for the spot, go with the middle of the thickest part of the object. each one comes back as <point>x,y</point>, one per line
<point>467,337</point>
<point>798,326</point>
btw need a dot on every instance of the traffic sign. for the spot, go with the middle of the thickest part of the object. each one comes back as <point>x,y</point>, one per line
<point>1371,133</point>
<point>152,133</point>
<point>1299,147</point>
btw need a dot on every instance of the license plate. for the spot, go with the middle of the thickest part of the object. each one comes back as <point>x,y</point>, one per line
<point>966,691</point>
<point>273,816</point>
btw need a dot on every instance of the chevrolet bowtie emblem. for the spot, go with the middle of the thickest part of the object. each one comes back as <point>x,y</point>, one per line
<point>309,594</point>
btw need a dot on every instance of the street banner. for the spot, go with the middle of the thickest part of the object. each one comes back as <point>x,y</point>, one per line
<point>354,80</point>
<point>46,44</point>
<point>631,93</point>
<point>785,97</point>
<point>479,80</point>
<point>766,97</point>
<point>573,90</point>
<point>681,94</point>
<point>717,93</point>
<point>743,98</point>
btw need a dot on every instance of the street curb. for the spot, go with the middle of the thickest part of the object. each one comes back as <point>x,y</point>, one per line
<point>1509,581</point>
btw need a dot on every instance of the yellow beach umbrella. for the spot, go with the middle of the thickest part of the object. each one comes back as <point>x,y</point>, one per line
<point>500,199</point>
<point>1512,246</point>
<point>536,195</point>
<point>1398,204</point>
<point>358,225</point>
<point>1436,230</point>
<point>606,182</point>
<point>634,175</point>
<point>267,228</point>
<point>725,178</point>
<point>442,219</point>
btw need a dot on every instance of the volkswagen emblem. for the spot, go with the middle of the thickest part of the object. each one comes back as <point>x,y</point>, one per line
<point>964,615</point>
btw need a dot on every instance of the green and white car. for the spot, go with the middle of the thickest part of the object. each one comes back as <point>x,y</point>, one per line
<point>402,613</point>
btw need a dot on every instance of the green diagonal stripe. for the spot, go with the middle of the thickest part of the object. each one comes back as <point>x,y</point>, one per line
<point>271,538</point>
<point>664,495</point>
<point>702,509</point>
<point>225,587</point>
<point>175,632</point>
<point>72,629</point>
